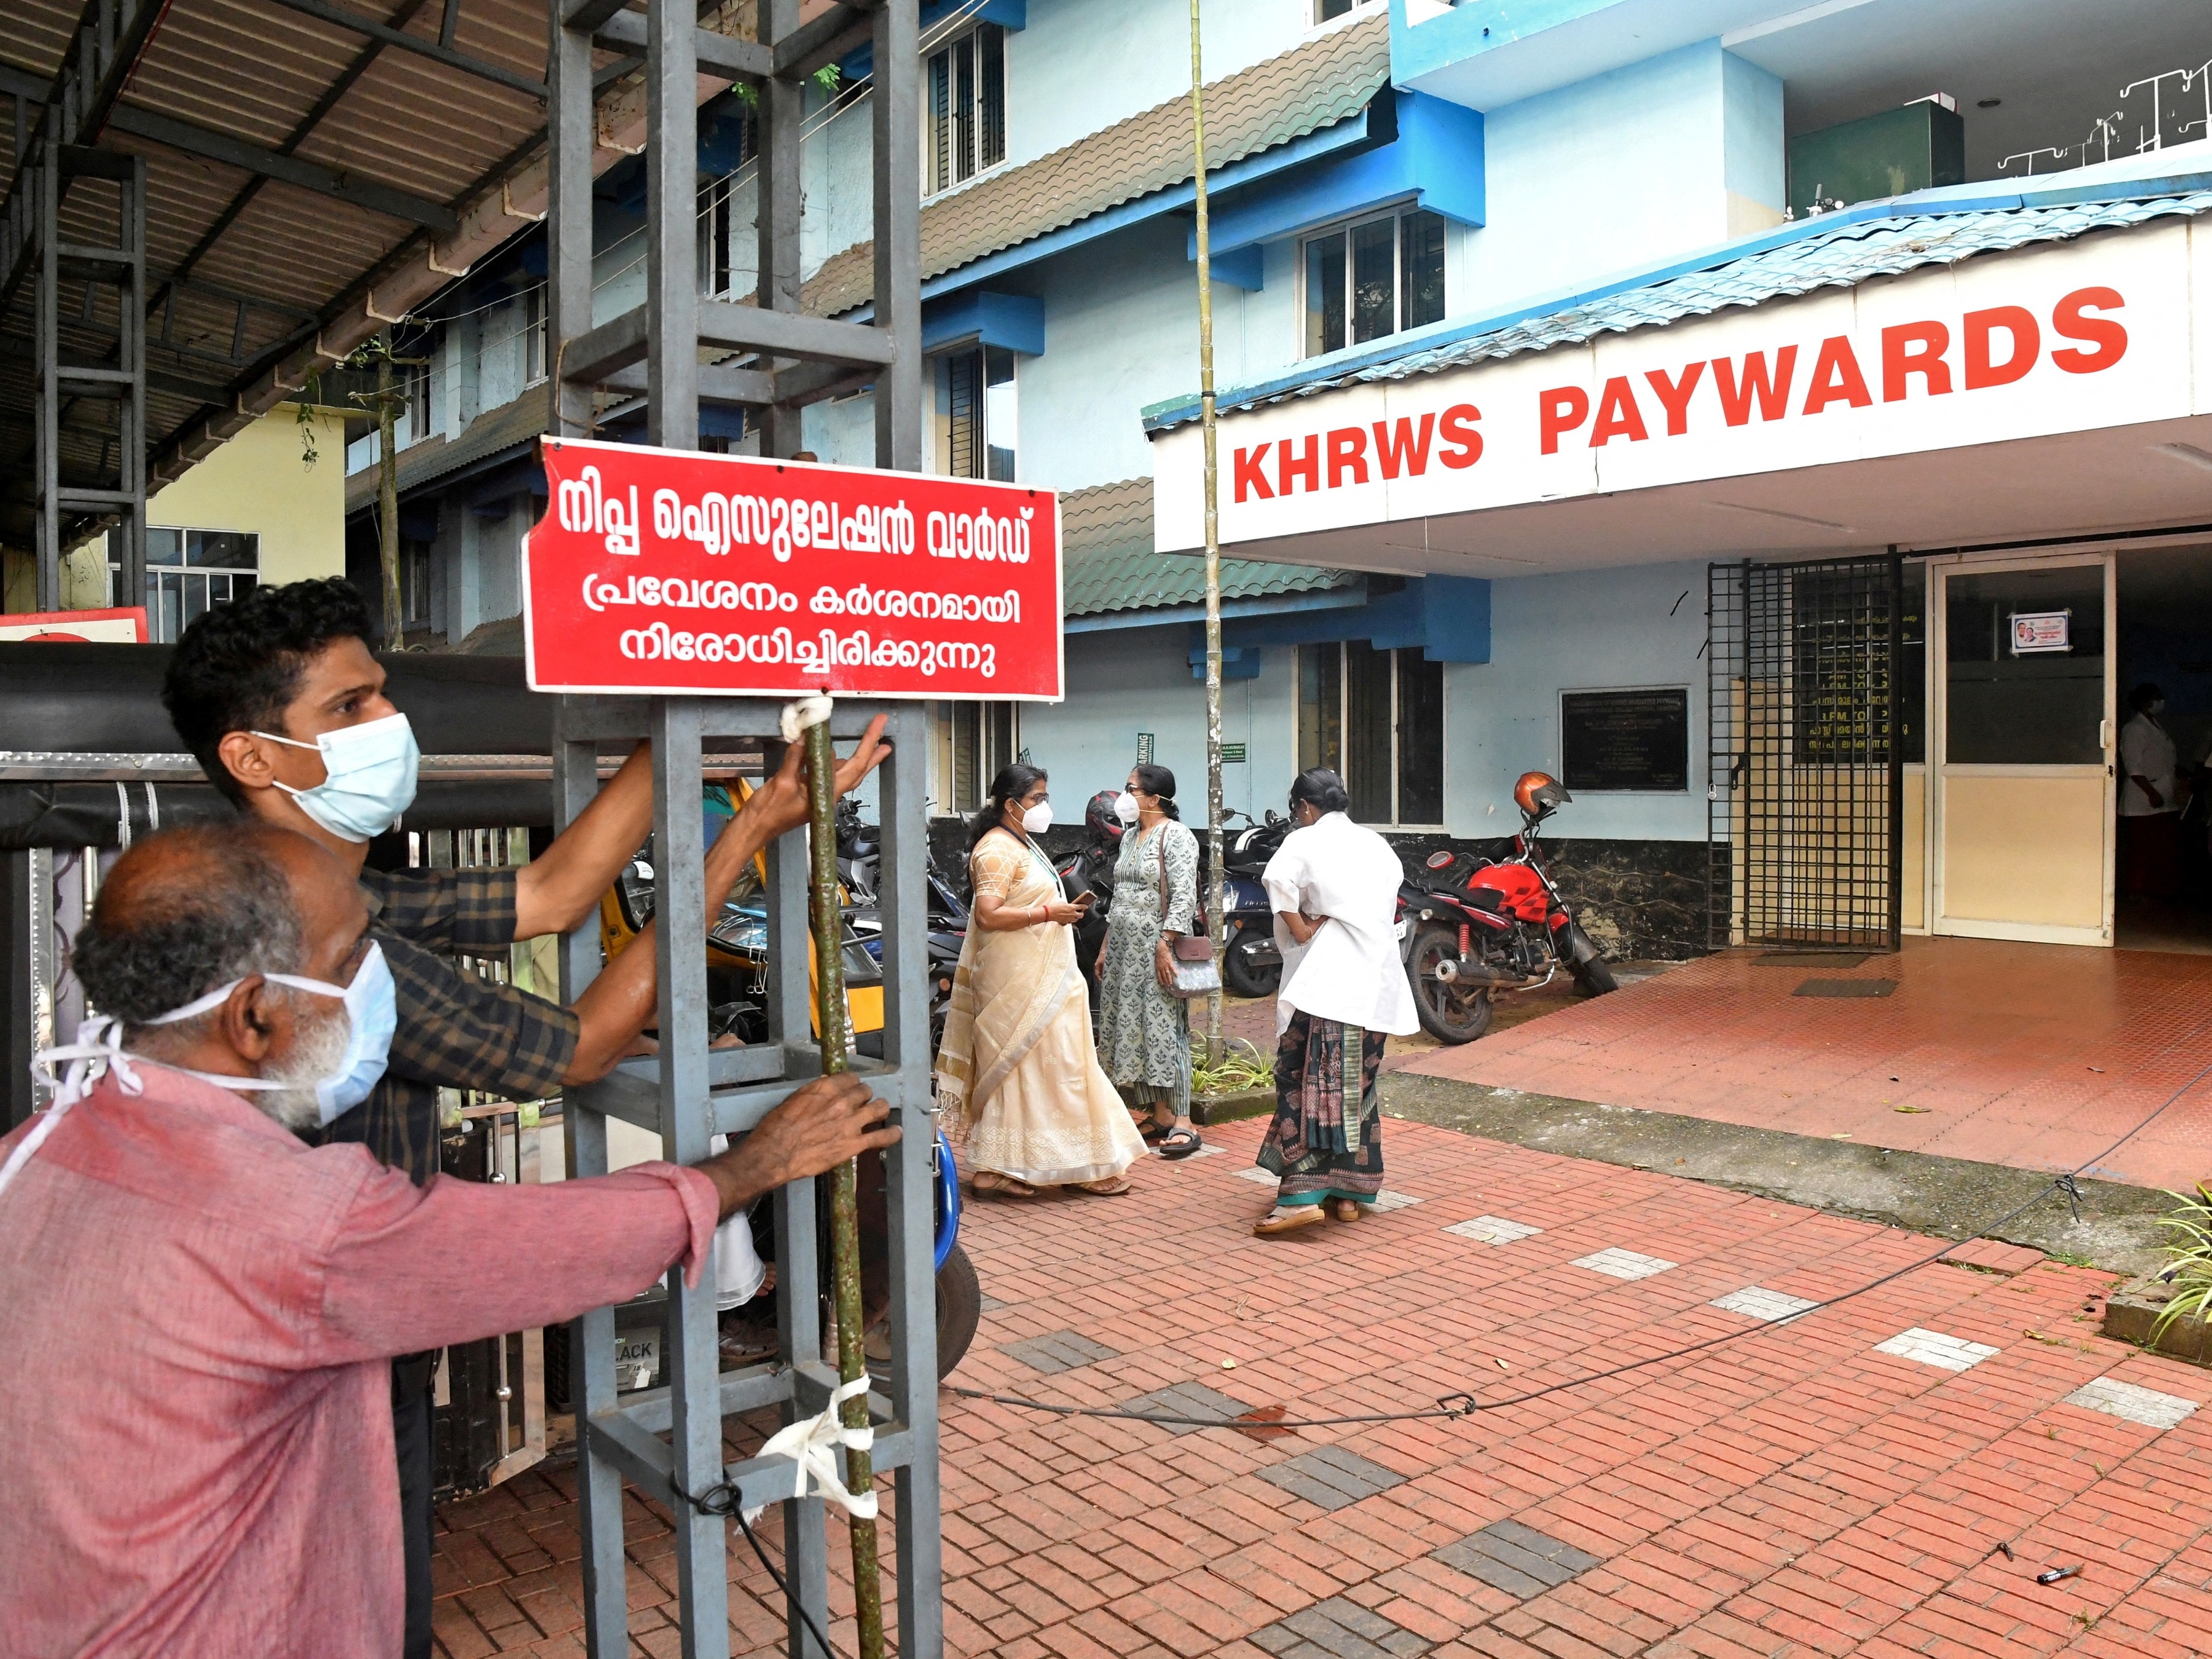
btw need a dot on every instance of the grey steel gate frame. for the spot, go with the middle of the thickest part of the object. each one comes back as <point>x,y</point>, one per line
<point>775,360</point>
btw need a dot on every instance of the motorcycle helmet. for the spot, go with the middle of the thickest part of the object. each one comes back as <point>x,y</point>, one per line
<point>1537,794</point>
<point>1099,817</point>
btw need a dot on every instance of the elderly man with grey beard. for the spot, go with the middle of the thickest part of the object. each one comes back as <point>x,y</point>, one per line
<point>196,1308</point>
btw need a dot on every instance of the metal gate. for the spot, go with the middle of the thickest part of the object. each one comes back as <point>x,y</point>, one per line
<point>1804,778</point>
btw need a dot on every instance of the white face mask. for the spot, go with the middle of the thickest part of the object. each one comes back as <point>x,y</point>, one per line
<point>368,777</point>
<point>1125,807</point>
<point>1038,819</point>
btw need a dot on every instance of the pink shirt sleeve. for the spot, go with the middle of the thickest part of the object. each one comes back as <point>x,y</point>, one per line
<point>415,1267</point>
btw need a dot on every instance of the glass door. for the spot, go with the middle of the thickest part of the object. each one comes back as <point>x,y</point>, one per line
<point>2022,725</point>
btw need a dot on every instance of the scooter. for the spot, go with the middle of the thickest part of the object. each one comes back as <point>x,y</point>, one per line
<point>1473,927</point>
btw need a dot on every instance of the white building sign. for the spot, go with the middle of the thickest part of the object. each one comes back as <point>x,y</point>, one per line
<point>2054,338</point>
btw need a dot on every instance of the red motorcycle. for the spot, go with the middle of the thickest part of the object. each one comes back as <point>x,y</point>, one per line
<point>1474,927</point>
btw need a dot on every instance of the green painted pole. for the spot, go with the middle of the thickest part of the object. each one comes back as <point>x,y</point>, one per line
<point>835,1023</point>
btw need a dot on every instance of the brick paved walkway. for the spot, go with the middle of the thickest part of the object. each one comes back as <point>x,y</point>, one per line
<point>2034,1055</point>
<point>1836,1485</point>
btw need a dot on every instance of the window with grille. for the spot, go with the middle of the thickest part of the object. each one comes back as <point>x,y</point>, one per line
<point>1327,10</point>
<point>1372,277</point>
<point>1376,719</point>
<point>973,412</point>
<point>963,104</point>
<point>189,570</point>
<point>971,741</point>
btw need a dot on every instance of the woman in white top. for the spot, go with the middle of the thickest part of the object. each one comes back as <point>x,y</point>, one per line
<point>1334,887</point>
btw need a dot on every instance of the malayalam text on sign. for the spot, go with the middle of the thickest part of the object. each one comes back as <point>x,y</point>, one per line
<point>670,572</point>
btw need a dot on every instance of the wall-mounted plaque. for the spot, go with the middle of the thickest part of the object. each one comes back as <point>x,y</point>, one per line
<point>1626,740</point>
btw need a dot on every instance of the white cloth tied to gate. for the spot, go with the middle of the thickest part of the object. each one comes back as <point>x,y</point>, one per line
<point>812,1445</point>
<point>807,711</point>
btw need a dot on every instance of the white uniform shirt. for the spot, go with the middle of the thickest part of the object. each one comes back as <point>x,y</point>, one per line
<point>2146,750</point>
<point>1350,971</point>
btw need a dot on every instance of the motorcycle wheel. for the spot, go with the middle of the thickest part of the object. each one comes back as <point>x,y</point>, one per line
<point>1246,981</point>
<point>959,1310</point>
<point>1595,977</point>
<point>1593,974</point>
<point>1446,1013</point>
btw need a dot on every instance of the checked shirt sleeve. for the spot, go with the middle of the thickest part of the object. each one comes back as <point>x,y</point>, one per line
<point>460,1031</point>
<point>454,912</point>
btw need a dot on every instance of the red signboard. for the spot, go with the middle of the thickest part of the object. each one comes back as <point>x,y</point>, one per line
<point>667,571</point>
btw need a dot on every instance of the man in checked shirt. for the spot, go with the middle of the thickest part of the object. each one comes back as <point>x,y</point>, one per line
<point>280,700</point>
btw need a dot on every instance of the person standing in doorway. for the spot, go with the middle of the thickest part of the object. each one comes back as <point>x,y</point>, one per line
<point>2150,813</point>
<point>1334,887</point>
<point>1025,1105</point>
<point>1144,1031</point>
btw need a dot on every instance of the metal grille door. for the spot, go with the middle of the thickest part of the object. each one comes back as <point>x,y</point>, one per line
<point>1804,770</point>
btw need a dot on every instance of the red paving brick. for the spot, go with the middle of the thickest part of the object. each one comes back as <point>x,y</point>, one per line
<point>2039,1056</point>
<point>1792,1494</point>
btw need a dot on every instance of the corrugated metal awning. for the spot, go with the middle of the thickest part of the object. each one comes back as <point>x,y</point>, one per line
<point>313,173</point>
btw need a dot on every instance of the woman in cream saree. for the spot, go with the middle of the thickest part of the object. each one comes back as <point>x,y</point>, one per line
<point>1025,1104</point>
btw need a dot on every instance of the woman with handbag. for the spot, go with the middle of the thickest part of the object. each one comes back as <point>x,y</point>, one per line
<point>1334,887</point>
<point>1154,957</point>
<point>1026,1104</point>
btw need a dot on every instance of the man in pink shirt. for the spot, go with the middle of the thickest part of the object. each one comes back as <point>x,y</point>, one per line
<point>197,1310</point>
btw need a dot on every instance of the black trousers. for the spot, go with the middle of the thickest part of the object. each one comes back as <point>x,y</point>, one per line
<point>412,1375</point>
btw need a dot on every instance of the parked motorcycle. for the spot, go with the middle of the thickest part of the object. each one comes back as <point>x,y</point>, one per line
<point>1251,965</point>
<point>1090,869</point>
<point>1474,927</point>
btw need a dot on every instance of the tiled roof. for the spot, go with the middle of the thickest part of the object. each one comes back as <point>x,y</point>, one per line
<point>495,430</point>
<point>1313,86</point>
<point>1837,250</point>
<point>1107,562</point>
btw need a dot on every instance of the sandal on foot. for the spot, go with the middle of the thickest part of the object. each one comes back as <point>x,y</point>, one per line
<point>1111,1186</point>
<point>989,1183</point>
<point>1179,1142</point>
<point>1273,1226</point>
<point>1344,1209</point>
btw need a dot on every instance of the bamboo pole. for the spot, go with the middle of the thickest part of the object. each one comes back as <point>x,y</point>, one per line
<point>833,1022</point>
<point>1213,883</point>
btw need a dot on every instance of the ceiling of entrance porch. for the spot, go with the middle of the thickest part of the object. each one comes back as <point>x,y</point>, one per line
<point>2055,70</point>
<point>2098,483</point>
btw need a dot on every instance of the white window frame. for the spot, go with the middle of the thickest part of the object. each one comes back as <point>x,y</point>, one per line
<point>1396,820</point>
<point>966,39</point>
<point>1396,214</point>
<point>1314,19</point>
<point>183,572</point>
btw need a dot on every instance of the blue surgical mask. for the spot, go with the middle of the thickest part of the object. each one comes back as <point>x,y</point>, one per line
<point>368,777</point>
<point>372,1010</point>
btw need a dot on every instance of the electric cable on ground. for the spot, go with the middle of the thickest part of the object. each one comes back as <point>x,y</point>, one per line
<point>1464,1404</point>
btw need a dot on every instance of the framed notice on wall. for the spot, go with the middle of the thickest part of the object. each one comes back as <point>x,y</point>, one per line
<point>1632,740</point>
